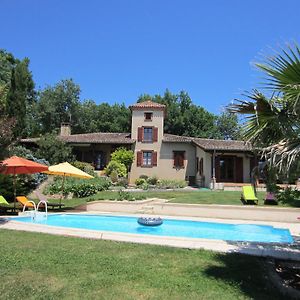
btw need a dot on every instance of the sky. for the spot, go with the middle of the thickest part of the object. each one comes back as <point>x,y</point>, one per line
<point>117,50</point>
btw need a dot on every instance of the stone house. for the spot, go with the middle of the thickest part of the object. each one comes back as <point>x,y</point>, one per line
<point>202,162</point>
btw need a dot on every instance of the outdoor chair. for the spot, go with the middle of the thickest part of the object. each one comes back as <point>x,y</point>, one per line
<point>248,195</point>
<point>51,205</point>
<point>4,205</point>
<point>271,199</point>
<point>23,200</point>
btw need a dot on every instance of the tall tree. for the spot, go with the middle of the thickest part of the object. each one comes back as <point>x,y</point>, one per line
<point>15,75</point>
<point>57,104</point>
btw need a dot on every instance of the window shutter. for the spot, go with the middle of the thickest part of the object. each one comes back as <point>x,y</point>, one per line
<point>140,134</point>
<point>139,157</point>
<point>155,134</point>
<point>154,158</point>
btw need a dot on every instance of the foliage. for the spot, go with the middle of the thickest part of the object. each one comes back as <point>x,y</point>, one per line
<point>144,177</point>
<point>123,195</point>
<point>58,104</point>
<point>122,182</point>
<point>54,150</point>
<point>171,184</point>
<point>114,176</point>
<point>273,123</point>
<point>152,180</point>
<point>289,196</point>
<point>124,156</point>
<point>228,126</point>
<point>79,187</point>
<point>84,166</point>
<point>118,167</point>
<point>140,181</point>
<point>19,90</point>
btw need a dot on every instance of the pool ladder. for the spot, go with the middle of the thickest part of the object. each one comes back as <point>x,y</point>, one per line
<point>36,214</point>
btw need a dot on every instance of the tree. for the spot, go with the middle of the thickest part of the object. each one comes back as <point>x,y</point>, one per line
<point>228,126</point>
<point>54,150</point>
<point>59,104</point>
<point>273,122</point>
<point>17,79</point>
<point>6,124</point>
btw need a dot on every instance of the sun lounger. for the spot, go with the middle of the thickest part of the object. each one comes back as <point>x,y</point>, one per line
<point>271,199</point>
<point>24,201</point>
<point>248,195</point>
<point>4,205</point>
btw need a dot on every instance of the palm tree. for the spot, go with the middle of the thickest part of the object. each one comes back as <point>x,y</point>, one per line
<point>272,123</point>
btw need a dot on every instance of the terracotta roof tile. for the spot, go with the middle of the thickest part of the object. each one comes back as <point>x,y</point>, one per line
<point>93,138</point>
<point>147,104</point>
<point>209,144</point>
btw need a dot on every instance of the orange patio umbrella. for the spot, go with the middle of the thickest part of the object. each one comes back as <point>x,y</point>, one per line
<point>18,165</point>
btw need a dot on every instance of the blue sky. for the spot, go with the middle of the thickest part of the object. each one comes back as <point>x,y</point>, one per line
<point>117,50</point>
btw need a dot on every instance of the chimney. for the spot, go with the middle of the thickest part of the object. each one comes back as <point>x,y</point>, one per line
<point>65,129</point>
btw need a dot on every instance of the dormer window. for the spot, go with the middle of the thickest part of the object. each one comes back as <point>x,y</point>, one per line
<point>148,116</point>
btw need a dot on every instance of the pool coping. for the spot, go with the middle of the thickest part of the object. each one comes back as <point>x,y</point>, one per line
<point>275,250</point>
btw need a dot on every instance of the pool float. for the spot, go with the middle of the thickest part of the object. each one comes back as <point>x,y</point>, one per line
<point>148,221</point>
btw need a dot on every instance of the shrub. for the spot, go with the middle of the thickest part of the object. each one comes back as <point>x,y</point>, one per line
<point>123,195</point>
<point>123,156</point>
<point>289,196</point>
<point>152,180</point>
<point>140,181</point>
<point>54,149</point>
<point>144,177</point>
<point>122,182</point>
<point>114,176</point>
<point>84,166</point>
<point>171,184</point>
<point>116,166</point>
<point>80,187</point>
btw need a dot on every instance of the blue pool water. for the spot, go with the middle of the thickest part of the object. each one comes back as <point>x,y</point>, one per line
<point>170,227</point>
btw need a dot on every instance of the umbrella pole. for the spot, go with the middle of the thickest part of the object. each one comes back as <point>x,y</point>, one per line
<point>62,189</point>
<point>15,192</point>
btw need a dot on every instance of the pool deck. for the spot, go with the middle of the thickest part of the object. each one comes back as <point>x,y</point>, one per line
<point>282,251</point>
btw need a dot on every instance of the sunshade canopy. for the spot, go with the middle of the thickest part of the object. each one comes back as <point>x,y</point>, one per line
<point>66,169</point>
<point>18,165</point>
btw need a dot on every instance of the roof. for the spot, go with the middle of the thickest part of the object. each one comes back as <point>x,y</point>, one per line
<point>92,138</point>
<point>99,138</point>
<point>209,144</point>
<point>125,138</point>
<point>147,104</point>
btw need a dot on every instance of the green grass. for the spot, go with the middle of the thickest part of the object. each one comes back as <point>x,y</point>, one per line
<point>192,197</point>
<point>40,266</point>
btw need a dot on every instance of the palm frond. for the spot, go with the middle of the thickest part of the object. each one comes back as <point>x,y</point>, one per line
<point>283,154</point>
<point>283,74</point>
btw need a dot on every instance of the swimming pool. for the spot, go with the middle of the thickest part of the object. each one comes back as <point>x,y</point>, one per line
<point>170,227</point>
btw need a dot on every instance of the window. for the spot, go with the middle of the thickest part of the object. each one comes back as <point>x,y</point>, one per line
<point>178,159</point>
<point>148,137</point>
<point>147,158</point>
<point>148,116</point>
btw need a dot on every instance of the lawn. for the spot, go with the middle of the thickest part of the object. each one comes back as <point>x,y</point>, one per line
<point>192,197</point>
<point>40,266</point>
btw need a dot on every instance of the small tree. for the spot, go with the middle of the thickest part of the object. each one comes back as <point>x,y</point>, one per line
<point>54,150</point>
<point>123,156</point>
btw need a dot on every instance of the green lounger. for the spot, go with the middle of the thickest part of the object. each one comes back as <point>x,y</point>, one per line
<point>248,195</point>
<point>4,205</point>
